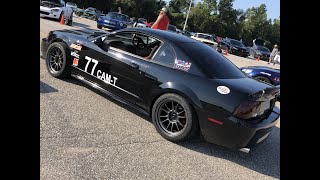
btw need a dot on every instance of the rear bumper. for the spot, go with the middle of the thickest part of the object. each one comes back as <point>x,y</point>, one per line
<point>44,46</point>
<point>235,133</point>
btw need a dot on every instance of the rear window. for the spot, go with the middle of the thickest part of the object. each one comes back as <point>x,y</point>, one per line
<point>215,64</point>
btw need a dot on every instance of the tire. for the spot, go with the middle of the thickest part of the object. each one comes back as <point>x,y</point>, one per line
<point>99,27</point>
<point>166,118</point>
<point>263,79</point>
<point>58,60</point>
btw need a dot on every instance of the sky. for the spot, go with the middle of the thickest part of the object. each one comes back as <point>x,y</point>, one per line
<point>273,6</point>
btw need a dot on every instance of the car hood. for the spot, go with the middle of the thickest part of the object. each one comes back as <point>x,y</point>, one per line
<point>49,4</point>
<point>262,68</point>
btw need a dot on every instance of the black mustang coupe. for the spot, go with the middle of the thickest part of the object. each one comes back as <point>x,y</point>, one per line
<point>184,85</point>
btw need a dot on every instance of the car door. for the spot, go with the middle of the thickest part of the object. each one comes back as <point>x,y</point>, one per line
<point>114,69</point>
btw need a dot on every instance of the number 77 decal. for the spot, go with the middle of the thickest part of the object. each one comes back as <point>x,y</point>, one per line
<point>94,66</point>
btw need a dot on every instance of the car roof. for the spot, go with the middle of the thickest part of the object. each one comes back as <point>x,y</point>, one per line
<point>167,36</point>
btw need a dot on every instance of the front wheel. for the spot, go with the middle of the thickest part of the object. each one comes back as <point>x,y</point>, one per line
<point>99,27</point>
<point>263,79</point>
<point>58,60</point>
<point>174,118</point>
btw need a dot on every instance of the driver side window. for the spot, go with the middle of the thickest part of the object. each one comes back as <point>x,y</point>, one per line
<point>132,42</point>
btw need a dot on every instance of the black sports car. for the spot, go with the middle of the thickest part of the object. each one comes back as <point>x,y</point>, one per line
<point>183,84</point>
<point>234,47</point>
<point>258,49</point>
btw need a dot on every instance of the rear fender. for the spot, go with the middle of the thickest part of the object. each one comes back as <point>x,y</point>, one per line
<point>182,90</point>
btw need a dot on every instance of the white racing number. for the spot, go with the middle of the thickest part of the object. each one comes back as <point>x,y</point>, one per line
<point>94,66</point>
<point>107,78</point>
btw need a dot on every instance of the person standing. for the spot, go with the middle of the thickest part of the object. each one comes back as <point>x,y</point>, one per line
<point>162,21</point>
<point>119,10</point>
<point>273,54</point>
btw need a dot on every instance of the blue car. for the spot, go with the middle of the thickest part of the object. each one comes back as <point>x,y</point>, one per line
<point>264,74</point>
<point>113,20</point>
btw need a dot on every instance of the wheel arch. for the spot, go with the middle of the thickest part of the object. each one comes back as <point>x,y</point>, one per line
<point>262,75</point>
<point>178,89</point>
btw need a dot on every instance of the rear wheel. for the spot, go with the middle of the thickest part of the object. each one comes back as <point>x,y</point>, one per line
<point>263,79</point>
<point>174,118</point>
<point>58,60</point>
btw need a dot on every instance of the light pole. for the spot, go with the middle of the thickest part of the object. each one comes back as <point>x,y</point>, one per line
<point>185,23</point>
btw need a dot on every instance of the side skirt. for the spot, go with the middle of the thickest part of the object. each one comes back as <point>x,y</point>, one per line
<point>113,96</point>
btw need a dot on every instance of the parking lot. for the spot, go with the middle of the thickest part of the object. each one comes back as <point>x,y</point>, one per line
<point>87,135</point>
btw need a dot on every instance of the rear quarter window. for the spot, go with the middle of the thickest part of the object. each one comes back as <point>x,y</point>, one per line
<point>212,62</point>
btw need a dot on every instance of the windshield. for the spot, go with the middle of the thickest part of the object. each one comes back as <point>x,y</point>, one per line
<point>260,48</point>
<point>204,36</point>
<point>215,64</point>
<point>118,16</point>
<point>236,43</point>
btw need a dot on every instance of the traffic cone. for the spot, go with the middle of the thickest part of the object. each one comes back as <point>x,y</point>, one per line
<point>226,52</point>
<point>62,19</point>
<point>258,59</point>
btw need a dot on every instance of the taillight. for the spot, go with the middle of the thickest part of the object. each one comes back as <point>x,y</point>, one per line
<point>247,110</point>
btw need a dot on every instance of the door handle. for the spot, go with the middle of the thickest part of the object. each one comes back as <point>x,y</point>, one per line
<point>134,66</point>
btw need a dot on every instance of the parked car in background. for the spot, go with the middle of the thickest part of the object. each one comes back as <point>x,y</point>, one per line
<point>264,74</point>
<point>205,38</point>
<point>52,8</point>
<point>258,49</point>
<point>172,28</point>
<point>91,13</point>
<point>235,47</point>
<point>186,33</point>
<point>141,23</point>
<point>148,24</point>
<point>55,9</point>
<point>72,5</point>
<point>113,20</point>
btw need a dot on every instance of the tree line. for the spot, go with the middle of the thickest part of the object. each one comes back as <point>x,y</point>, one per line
<point>208,16</point>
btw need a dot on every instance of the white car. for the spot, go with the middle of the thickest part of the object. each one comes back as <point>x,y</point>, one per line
<point>205,38</point>
<point>55,9</point>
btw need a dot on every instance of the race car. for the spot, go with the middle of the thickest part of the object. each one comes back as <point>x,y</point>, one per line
<point>184,85</point>
<point>55,9</point>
